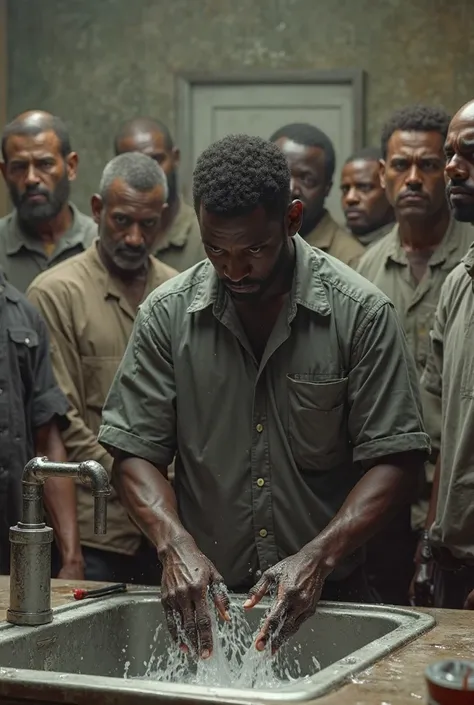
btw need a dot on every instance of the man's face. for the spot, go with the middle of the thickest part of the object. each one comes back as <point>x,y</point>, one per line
<point>249,252</point>
<point>413,174</point>
<point>460,164</point>
<point>129,222</point>
<point>363,199</point>
<point>153,144</point>
<point>38,176</point>
<point>308,180</point>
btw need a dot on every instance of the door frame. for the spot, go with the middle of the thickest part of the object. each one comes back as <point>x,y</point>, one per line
<point>186,81</point>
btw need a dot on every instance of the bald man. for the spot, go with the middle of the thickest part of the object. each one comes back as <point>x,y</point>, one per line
<point>179,243</point>
<point>44,227</point>
<point>449,375</point>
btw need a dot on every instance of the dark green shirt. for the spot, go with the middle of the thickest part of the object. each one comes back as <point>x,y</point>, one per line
<point>22,256</point>
<point>267,451</point>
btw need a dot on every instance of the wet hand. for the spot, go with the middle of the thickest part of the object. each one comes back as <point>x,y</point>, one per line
<point>188,579</point>
<point>298,581</point>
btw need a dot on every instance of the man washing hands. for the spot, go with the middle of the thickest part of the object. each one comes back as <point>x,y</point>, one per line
<point>281,381</point>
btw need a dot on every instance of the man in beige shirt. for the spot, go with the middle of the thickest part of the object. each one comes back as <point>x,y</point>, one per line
<point>311,158</point>
<point>179,242</point>
<point>369,215</point>
<point>45,228</point>
<point>411,264</point>
<point>89,304</point>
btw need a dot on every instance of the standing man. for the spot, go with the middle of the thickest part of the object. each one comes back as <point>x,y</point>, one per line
<point>282,380</point>
<point>449,375</point>
<point>32,412</point>
<point>369,215</point>
<point>410,266</point>
<point>311,158</point>
<point>89,304</point>
<point>45,228</point>
<point>179,242</point>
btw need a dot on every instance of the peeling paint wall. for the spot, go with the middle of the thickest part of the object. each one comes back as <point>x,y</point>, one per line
<point>98,62</point>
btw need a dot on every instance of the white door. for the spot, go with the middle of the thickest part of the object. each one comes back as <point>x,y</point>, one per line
<point>213,111</point>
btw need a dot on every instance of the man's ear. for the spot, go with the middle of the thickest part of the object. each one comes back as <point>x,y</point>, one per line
<point>97,206</point>
<point>382,172</point>
<point>294,217</point>
<point>72,160</point>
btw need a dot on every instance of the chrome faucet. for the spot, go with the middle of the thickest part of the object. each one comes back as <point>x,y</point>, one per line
<point>30,539</point>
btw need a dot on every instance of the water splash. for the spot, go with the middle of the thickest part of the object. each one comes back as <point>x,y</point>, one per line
<point>235,662</point>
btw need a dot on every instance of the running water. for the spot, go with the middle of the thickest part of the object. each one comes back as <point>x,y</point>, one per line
<point>235,662</point>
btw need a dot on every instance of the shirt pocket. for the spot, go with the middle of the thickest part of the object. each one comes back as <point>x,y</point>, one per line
<point>98,374</point>
<point>317,422</point>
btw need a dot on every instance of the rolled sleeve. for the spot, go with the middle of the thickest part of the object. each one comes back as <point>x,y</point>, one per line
<point>385,414</point>
<point>139,415</point>
<point>48,400</point>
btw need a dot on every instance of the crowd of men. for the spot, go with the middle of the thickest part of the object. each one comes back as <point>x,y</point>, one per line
<point>281,401</point>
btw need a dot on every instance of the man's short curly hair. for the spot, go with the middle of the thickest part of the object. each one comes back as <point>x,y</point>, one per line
<point>238,173</point>
<point>418,118</point>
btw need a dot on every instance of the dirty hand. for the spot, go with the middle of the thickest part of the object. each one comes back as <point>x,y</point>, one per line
<point>469,604</point>
<point>420,592</point>
<point>188,577</point>
<point>73,570</point>
<point>298,581</point>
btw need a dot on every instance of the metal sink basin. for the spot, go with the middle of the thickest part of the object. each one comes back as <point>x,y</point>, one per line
<point>84,654</point>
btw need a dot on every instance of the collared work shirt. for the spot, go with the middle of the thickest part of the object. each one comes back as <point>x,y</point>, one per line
<point>22,256</point>
<point>368,239</point>
<point>386,265</point>
<point>90,321</point>
<point>267,451</point>
<point>332,238</point>
<point>449,375</point>
<point>180,246</point>
<point>29,397</point>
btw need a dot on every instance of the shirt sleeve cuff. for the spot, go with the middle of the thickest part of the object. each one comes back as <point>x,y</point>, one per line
<point>381,447</point>
<point>117,439</point>
<point>49,405</point>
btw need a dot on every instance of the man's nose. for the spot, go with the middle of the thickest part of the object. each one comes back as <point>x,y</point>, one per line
<point>235,270</point>
<point>456,169</point>
<point>134,236</point>
<point>32,178</point>
<point>352,197</point>
<point>295,188</point>
<point>413,179</point>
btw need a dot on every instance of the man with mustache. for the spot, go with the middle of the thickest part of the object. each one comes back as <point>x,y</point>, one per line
<point>89,304</point>
<point>311,158</point>
<point>282,381</point>
<point>449,375</point>
<point>369,215</point>
<point>45,228</point>
<point>410,265</point>
<point>179,242</point>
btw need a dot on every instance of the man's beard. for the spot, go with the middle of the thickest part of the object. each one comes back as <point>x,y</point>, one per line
<point>32,213</point>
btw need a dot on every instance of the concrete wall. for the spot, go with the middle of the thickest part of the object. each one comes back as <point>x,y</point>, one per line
<point>97,62</point>
<point>3,91</point>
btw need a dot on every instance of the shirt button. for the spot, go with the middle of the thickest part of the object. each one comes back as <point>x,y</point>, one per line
<point>260,482</point>
<point>27,341</point>
<point>259,427</point>
<point>1,390</point>
<point>263,533</point>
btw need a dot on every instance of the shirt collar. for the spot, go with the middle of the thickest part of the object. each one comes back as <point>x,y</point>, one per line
<point>323,234</point>
<point>177,233</point>
<point>307,288</point>
<point>8,290</point>
<point>440,256</point>
<point>17,238</point>
<point>468,261</point>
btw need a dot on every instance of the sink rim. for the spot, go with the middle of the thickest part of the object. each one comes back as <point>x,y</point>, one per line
<point>411,624</point>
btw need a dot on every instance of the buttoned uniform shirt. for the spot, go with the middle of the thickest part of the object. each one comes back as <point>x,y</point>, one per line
<point>180,245</point>
<point>386,265</point>
<point>90,320</point>
<point>22,256</point>
<point>368,239</point>
<point>29,399</point>
<point>449,375</point>
<point>332,238</point>
<point>267,451</point>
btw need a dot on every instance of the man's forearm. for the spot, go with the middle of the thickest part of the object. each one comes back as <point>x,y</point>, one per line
<point>150,500</point>
<point>369,507</point>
